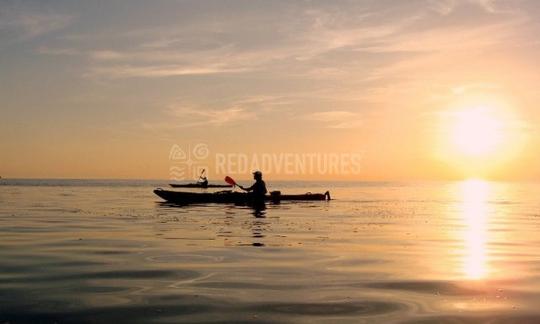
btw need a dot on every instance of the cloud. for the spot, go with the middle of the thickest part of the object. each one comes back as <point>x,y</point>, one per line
<point>359,51</point>
<point>198,116</point>
<point>226,45</point>
<point>313,55</point>
<point>26,22</point>
<point>58,51</point>
<point>474,87</point>
<point>448,39</point>
<point>443,7</point>
<point>107,55</point>
<point>189,115</point>
<point>492,6</point>
<point>157,71</point>
<point>336,119</point>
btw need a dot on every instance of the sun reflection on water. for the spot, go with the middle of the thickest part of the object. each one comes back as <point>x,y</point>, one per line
<point>475,211</point>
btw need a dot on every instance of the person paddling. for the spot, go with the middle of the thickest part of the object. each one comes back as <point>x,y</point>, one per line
<point>203,180</point>
<point>258,189</point>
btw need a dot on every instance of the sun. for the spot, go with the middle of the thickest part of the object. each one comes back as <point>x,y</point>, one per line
<point>479,139</point>
<point>477,132</point>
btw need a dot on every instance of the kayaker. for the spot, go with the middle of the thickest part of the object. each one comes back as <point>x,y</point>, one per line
<point>203,180</point>
<point>258,189</point>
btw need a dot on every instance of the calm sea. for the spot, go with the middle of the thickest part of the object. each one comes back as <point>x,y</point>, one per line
<point>76,251</point>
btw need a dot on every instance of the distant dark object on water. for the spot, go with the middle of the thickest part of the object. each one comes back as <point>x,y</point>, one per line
<point>199,185</point>
<point>231,197</point>
<point>202,182</point>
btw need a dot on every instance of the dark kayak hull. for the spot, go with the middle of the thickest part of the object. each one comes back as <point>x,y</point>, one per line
<point>198,185</point>
<point>228,197</point>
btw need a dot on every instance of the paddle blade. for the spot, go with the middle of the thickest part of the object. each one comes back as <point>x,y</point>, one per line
<point>230,181</point>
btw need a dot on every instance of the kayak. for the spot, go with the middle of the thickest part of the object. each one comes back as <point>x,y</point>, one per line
<point>231,197</point>
<point>198,185</point>
<point>228,197</point>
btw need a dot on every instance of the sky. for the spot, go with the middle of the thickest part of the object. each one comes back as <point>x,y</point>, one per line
<point>105,89</point>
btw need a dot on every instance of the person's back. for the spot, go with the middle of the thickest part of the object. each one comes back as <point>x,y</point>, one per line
<point>258,189</point>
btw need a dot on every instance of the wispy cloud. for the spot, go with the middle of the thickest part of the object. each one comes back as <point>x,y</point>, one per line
<point>474,87</point>
<point>354,51</point>
<point>58,51</point>
<point>106,55</point>
<point>157,71</point>
<point>185,115</point>
<point>443,7</point>
<point>321,42</point>
<point>339,119</point>
<point>201,116</point>
<point>226,47</point>
<point>25,22</point>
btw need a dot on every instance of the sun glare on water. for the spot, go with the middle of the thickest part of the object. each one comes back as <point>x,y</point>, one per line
<point>475,211</point>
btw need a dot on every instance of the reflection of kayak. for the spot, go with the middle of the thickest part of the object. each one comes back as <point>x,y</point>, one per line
<point>228,197</point>
<point>199,185</point>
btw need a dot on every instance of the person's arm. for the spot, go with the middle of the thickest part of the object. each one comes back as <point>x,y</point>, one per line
<point>246,189</point>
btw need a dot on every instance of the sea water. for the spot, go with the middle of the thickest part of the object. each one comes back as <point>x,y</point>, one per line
<point>75,251</point>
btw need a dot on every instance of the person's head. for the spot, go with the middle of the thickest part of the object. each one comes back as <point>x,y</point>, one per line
<point>257,175</point>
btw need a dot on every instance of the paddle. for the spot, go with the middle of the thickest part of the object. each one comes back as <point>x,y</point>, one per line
<point>230,181</point>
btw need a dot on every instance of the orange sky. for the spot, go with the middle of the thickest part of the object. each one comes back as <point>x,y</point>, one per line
<point>104,90</point>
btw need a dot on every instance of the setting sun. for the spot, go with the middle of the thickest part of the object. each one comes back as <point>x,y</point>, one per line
<point>479,137</point>
<point>477,132</point>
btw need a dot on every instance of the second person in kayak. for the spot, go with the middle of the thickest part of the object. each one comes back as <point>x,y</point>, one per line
<point>258,189</point>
